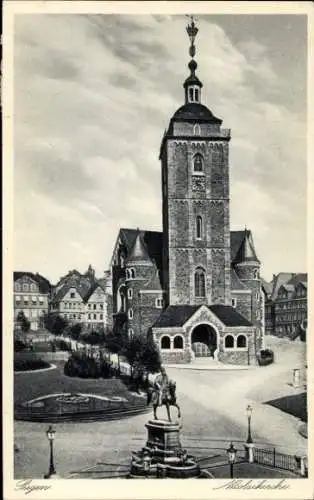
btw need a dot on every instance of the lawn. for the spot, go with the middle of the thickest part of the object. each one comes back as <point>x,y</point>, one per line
<point>32,385</point>
<point>295,405</point>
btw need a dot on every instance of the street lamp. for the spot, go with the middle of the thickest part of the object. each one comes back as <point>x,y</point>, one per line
<point>51,435</point>
<point>249,410</point>
<point>231,458</point>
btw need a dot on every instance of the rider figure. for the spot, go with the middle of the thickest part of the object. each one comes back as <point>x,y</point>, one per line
<point>161,384</point>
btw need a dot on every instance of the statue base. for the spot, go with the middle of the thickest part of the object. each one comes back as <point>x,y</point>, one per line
<point>163,455</point>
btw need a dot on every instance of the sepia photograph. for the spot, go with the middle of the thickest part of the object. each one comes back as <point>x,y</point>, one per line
<point>158,280</point>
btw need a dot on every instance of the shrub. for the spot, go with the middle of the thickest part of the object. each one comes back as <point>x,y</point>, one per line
<point>83,366</point>
<point>265,357</point>
<point>29,364</point>
<point>20,345</point>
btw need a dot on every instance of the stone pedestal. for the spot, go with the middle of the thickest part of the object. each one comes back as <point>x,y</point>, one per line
<point>249,452</point>
<point>163,456</point>
<point>296,377</point>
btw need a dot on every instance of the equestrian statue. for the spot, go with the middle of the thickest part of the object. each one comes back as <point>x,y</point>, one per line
<point>163,393</point>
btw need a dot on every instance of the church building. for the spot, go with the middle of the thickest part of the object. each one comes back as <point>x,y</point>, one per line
<point>196,285</point>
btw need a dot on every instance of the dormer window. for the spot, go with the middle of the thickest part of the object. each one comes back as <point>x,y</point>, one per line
<point>198,163</point>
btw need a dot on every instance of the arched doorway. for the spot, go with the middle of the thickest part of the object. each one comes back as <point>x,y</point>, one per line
<point>204,341</point>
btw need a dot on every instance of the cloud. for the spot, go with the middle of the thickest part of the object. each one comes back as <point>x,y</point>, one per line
<point>93,95</point>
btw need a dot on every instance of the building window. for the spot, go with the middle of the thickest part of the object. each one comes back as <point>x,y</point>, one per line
<point>158,303</point>
<point>25,299</point>
<point>130,273</point>
<point>41,299</point>
<point>130,333</point>
<point>241,341</point>
<point>191,94</point>
<point>130,293</point>
<point>229,342</point>
<point>178,342</point>
<point>101,316</point>
<point>234,302</point>
<point>34,299</point>
<point>256,274</point>
<point>89,306</point>
<point>165,342</point>
<point>198,163</point>
<point>94,306</point>
<point>33,287</point>
<point>95,316</point>
<point>199,227</point>
<point>101,306</point>
<point>130,313</point>
<point>34,313</point>
<point>199,282</point>
<point>17,287</point>
<point>72,295</point>
<point>197,129</point>
<point>17,299</point>
<point>89,316</point>
<point>25,287</point>
<point>257,314</point>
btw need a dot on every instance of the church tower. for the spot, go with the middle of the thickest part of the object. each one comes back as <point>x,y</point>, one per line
<point>194,158</point>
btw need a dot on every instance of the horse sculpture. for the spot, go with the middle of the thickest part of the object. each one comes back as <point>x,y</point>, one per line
<point>168,398</point>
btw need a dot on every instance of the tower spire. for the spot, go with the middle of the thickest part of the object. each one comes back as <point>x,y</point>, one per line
<point>192,84</point>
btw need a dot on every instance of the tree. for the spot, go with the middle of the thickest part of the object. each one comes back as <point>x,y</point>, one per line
<point>116,343</point>
<point>23,322</point>
<point>75,331</point>
<point>150,356</point>
<point>55,323</point>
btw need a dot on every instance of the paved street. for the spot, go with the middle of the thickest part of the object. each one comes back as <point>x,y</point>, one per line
<point>213,407</point>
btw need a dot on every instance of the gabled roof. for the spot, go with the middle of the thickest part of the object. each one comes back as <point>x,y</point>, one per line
<point>92,289</point>
<point>229,315</point>
<point>278,280</point>
<point>297,278</point>
<point>44,284</point>
<point>175,316</point>
<point>64,290</point>
<point>287,287</point>
<point>179,315</point>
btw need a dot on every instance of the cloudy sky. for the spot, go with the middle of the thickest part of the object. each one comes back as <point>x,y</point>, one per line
<point>93,95</point>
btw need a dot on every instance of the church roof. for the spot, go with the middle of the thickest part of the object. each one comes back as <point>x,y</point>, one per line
<point>195,111</point>
<point>139,250</point>
<point>236,283</point>
<point>179,315</point>
<point>152,241</point>
<point>246,251</point>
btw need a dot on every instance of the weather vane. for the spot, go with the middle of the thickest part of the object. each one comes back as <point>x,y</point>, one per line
<point>192,31</point>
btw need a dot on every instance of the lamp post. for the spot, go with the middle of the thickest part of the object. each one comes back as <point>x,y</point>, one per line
<point>51,435</point>
<point>231,451</point>
<point>249,411</point>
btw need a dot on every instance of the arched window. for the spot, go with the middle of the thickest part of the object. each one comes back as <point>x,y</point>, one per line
<point>127,274</point>
<point>241,341</point>
<point>130,313</point>
<point>196,95</point>
<point>229,342</point>
<point>198,163</point>
<point>199,227</point>
<point>256,274</point>
<point>130,333</point>
<point>197,129</point>
<point>132,273</point>
<point>199,282</point>
<point>130,293</point>
<point>178,342</point>
<point>191,94</point>
<point>165,342</point>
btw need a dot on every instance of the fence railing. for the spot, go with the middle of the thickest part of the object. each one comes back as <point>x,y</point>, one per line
<point>276,459</point>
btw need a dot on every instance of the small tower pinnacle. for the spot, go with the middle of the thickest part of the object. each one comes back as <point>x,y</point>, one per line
<point>192,84</point>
